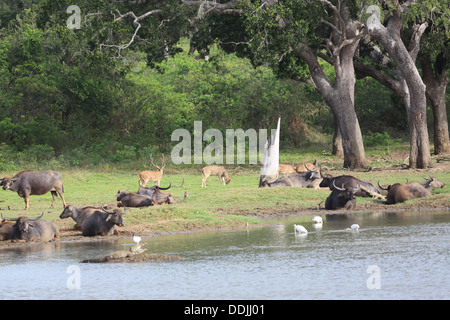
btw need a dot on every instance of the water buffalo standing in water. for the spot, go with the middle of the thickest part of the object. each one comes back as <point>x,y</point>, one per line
<point>103,223</point>
<point>342,198</point>
<point>27,183</point>
<point>33,229</point>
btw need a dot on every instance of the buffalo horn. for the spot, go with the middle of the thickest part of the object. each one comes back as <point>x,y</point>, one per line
<point>9,219</point>
<point>381,186</point>
<point>337,188</point>
<point>37,218</point>
<point>165,188</point>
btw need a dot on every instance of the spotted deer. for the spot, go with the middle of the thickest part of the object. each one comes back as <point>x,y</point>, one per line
<point>149,175</point>
<point>217,171</point>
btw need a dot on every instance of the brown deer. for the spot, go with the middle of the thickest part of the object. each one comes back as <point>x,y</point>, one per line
<point>215,170</point>
<point>286,169</point>
<point>306,166</point>
<point>148,175</point>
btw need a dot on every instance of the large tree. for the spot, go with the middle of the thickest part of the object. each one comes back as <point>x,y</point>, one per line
<point>291,35</point>
<point>425,27</point>
<point>414,89</point>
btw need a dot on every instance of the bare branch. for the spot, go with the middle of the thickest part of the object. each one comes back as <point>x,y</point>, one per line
<point>135,22</point>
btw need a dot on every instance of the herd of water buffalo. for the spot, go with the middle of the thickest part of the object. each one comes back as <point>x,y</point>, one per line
<point>94,221</point>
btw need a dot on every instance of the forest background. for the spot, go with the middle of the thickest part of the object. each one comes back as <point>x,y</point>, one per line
<point>69,100</point>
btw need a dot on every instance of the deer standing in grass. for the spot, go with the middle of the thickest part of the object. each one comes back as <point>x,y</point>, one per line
<point>149,175</point>
<point>217,171</point>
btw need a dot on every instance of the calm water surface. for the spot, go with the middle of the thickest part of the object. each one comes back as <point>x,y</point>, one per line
<point>393,256</point>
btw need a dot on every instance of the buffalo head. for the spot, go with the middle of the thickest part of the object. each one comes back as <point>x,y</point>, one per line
<point>347,193</point>
<point>23,223</point>
<point>7,183</point>
<point>115,216</point>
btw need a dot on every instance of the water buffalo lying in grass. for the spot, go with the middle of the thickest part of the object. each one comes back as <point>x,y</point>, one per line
<point>27,183</point>
<point>78,215</point>
<point>33,229</point>
<point>102,223</point>
<point>345,181</point>
<point>430,183</point>
<point>308,179</point>
<point>129,199</point>
<point>150,198</point>
<point>342,198</point>
<point>400,192</point>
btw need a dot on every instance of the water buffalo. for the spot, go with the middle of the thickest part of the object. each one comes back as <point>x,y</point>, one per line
<point>162,198</point>
<point>102,222</point>
<point>129,199</point>
<point>78,215</point>
<point>345,181</point>
<point>430,183</point>
<point>146,191</point>
<point>400,192</point>
<point>308,179</point>
<point>144,198</point>
<point>342,198</point>
<point>27,183</point>
<point>33,229</point>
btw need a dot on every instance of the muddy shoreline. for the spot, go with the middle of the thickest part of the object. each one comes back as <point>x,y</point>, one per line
<point>69,234</point>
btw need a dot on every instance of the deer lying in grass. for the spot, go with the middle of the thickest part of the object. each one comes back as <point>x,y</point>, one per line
<point>284,169</point>
<point>148,175</point>
<point>215,170</point>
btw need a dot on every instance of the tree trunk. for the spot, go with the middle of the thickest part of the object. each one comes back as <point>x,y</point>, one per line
<point>436,83</point>
<point>340,97</point>
<point>337,141</point>
<point>390,38</point>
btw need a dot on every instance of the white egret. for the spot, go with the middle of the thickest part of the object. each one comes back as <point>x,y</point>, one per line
<point>136,239</point>
<point>300,229</point>
<point>317,219</point>
<point>353,227</point>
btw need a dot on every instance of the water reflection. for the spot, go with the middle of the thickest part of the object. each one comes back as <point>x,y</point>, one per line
<point>409,249</point>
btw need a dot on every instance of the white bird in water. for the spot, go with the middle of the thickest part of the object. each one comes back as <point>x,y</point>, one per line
<point>136,239</point>
<point>317,219</point>
<point>300,229</point>
<point>354,228</point>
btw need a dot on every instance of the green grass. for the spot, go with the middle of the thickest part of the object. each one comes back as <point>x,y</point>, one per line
<point>214,207</point>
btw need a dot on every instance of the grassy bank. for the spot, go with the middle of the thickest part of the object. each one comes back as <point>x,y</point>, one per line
<point>217,206</point>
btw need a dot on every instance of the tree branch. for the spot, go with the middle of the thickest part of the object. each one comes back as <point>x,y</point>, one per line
<point>135,22</point>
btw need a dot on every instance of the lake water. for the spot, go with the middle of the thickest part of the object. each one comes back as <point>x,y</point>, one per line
<point>393,256</point>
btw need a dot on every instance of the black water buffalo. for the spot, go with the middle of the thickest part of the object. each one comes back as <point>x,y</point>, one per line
<point>308,179</point>
<point>345,181</point>
<point>148,197</point>
<point>129,199</point>
<point>400,192</point>
<point>78,215</point>
<point>342,198</point>
<point>33,229</point>
<point>27,183</point>
<point>146,191</point>
<point>102,223</point>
